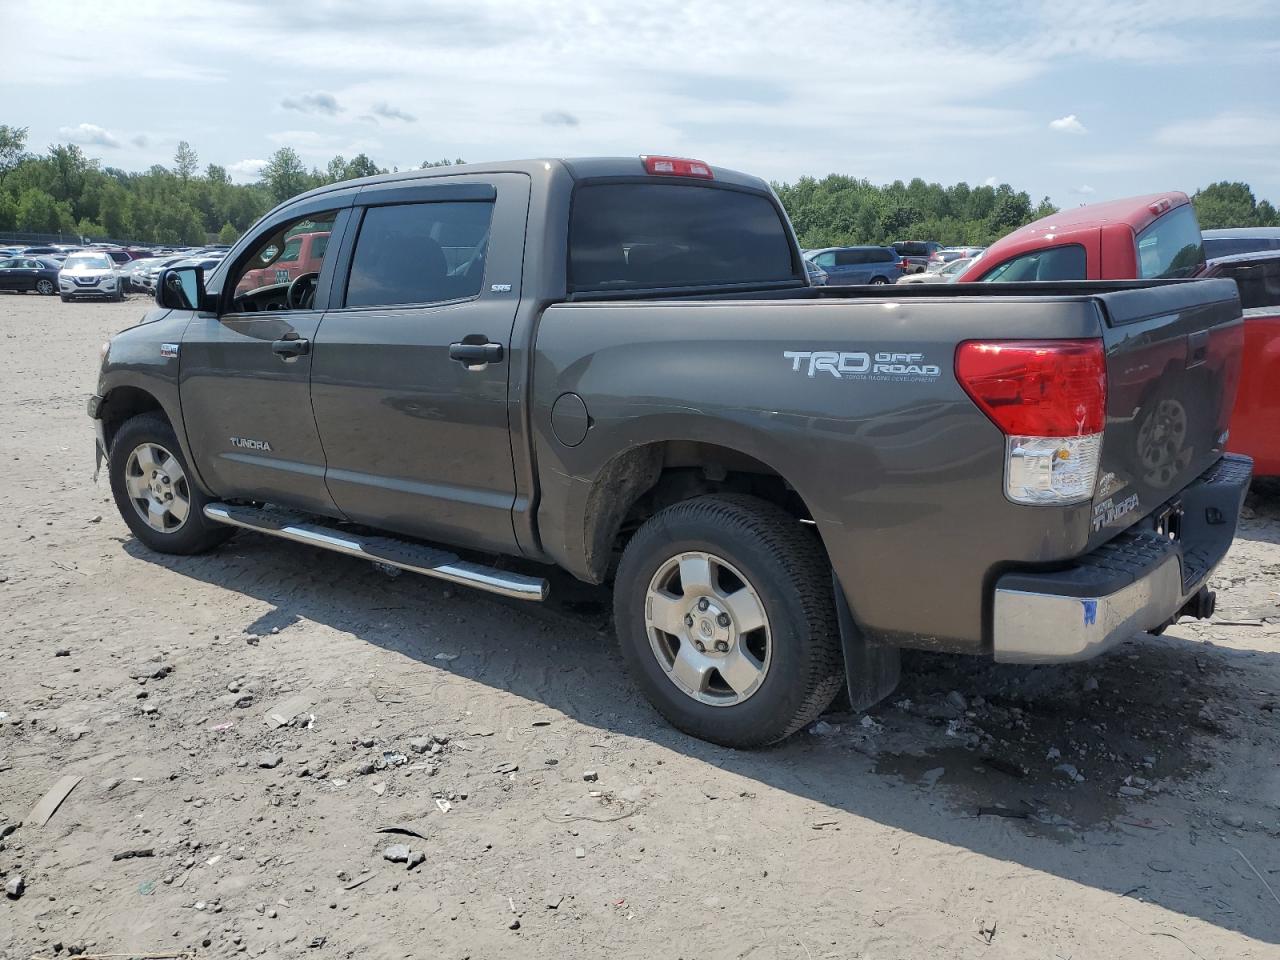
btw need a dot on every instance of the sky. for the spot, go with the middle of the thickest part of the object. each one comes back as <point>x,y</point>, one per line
<point>1077,100</point>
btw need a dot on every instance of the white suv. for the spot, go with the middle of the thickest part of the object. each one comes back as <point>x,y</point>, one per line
<point>90,274</point>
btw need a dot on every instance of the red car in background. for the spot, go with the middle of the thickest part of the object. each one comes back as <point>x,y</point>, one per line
<point>1255,423</point>
<point>303,253</point>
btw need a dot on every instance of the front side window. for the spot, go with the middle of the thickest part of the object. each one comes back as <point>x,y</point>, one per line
<point>295,249</point>
<point>1057,263</point>
<point>419,253</point>
<point>827,259</point>
<point>1171,247</point>
<point>653,235</point>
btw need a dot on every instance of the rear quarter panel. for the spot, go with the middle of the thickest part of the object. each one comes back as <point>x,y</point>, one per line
<point>902,474</point>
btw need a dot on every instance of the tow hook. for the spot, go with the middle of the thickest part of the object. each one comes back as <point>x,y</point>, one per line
<point>1201,606</point>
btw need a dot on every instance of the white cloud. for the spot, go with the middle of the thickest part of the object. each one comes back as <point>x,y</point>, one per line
<point>1223,132</point>
<point>318,102</point>
<point>991,182</point>
<point>1084,189</point>
<point>246,169</point>
<point>90,135</point>
<point>1068,124</point>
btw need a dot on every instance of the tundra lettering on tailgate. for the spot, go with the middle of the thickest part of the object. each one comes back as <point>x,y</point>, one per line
<point>857,365</point>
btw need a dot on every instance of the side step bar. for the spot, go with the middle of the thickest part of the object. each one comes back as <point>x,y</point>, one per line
<point>429,561</point>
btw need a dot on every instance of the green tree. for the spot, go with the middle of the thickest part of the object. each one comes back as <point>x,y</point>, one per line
<point>1231,204</point>
<point>362,166</point>
<point>185,161</point>
<point>228,234</point>
<point>285,175</point>
<point>13,147</point>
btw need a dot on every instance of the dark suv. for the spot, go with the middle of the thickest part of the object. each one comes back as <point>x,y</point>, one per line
<point>916,253</point>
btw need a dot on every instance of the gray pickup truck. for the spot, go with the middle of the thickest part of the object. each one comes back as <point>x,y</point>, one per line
<point>618,367</point>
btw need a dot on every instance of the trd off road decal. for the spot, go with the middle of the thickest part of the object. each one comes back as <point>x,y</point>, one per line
<point>885,365</point>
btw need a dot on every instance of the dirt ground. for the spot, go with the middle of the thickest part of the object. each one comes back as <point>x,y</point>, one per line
<point>1135,801</point>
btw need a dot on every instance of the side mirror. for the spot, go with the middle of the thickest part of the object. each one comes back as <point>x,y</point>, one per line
<point>181,288</point>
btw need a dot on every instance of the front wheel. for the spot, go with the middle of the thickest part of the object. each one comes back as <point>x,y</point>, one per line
<point>878,281</point>
<point>726,618</point>
<point>45,287</point>
<point>154,491</point>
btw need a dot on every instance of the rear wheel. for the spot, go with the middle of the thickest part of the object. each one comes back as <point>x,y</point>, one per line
<point>725,614</point>
<point>45,287</point>
<point>154,492</point>
<point>877,281</point>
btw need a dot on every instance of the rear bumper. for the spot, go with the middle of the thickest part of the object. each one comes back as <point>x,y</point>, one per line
<point>1136,582</point>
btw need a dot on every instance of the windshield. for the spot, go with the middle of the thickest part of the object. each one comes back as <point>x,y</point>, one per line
<point>95,261</point>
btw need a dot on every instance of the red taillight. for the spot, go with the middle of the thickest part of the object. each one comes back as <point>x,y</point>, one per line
<point>677,167</point>
<point>1037,388</point>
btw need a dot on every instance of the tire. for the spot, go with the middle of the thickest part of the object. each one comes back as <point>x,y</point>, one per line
<point>878,281</point>
<point>166,532</point>
<point>45,287</point>
<point>750,544</point>
<point>65,298</point>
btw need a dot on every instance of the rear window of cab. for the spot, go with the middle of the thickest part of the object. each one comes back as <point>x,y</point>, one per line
<point>633,236</point>
<point>1171,247</point>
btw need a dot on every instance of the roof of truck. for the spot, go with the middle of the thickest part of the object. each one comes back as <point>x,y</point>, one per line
<point>577,167</point>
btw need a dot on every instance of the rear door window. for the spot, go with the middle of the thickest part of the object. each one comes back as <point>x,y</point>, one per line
<point>419,253</point>
<point>1057,263</point>
<point>1171,247</point>
<point>653,235</point>
<point>852,258</point>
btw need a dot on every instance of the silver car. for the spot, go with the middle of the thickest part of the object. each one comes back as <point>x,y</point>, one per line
<point>90,274</point>
<point>944,274</point>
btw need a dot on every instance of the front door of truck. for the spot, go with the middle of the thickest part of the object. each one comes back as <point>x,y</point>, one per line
<point>246,370</point>
<point>409,382</point>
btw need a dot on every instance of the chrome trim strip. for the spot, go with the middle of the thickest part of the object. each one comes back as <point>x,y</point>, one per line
<point>513,585</point>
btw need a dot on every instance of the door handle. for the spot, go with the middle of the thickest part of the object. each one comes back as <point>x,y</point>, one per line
<point>475,353</point>
<point>290,348</point>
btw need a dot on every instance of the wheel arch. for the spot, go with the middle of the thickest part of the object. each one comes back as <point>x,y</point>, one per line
<point>641,480</point>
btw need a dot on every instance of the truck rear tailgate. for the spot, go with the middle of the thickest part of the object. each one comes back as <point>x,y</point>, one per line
<point>1173,364</point>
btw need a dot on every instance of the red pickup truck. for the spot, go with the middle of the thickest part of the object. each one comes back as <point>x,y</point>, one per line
<point>1145,238</point>
<point>303,253</point>
<point>1158,236</point>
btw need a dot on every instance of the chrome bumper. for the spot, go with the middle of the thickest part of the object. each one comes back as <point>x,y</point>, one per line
<point>1051,628</point>
<point>1139,581</point>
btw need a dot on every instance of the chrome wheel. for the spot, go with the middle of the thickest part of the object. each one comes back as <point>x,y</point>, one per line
<point>708,629</point>
<point>157,487</point>
<point>44,287</point>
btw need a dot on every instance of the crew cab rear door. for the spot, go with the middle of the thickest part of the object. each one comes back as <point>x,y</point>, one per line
<point>409,383</point>
<point>1173,365</point>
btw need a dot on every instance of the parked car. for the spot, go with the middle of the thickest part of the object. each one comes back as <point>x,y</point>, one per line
<point>946,273</point>
<point>144,277</point>
<point>817,276</point>
<point>89,275</point>
<point>916,253</point>
<point>940,258</point>
<point>854,265</point>
<point>1255,422</point>
<point>1232,240</point>
<point>42,251</point>
<point>20,274</point>
<point>644,388</point>
<point>1148,237</point>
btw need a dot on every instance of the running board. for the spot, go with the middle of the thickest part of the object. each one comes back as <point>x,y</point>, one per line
<point>416,558</point>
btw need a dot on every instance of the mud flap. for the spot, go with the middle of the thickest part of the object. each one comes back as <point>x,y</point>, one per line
<point>871,671</point>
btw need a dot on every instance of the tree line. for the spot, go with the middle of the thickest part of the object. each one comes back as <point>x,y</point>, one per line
<point>65,191</point>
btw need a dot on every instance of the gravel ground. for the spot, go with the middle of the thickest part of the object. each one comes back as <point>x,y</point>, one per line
<point>1135,801</point>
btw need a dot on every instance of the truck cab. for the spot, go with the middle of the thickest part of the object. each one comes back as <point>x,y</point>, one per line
<point>1147,237</point>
